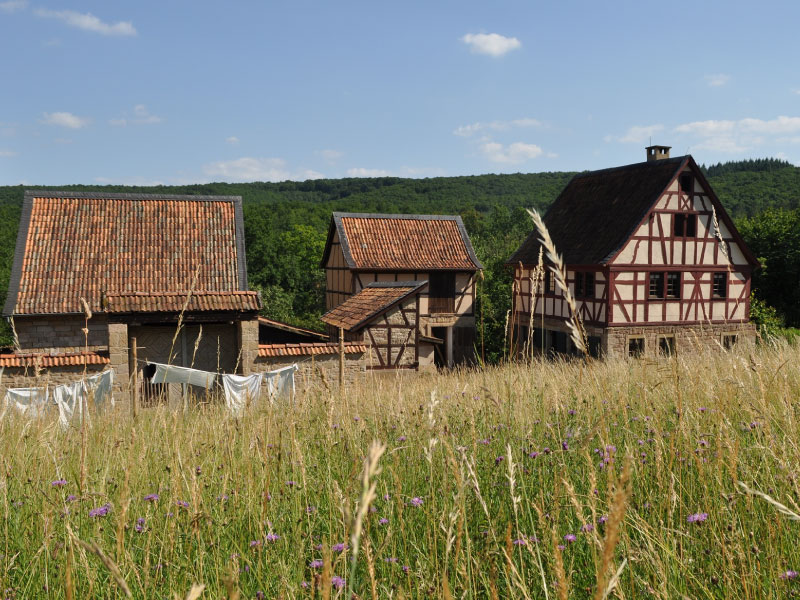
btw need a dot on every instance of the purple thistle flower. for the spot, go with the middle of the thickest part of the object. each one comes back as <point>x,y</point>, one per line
<point>337,582</point>
<point>390,560</point>
<point>315,564</point>
<point>533,454</point>
<point>139,527</point>
<point>341,547</point>
<point>386,497</point>
<point>572,411</point>
<point>100,511</point>
<point>697,517</point>
<point>198,470</point>
<point>406,569</point>
<point>182,504</point>
<point>260,595</point>
<point>546,451</point>
<point>789,575</point>
<point>586,528</point>
<point>570,537</point>
<point>151,498</point>
<point>402,438</point>
<point>561,547</point>
<point>521,542</point>
<point>416,501</point>
<point>498,460</point>
<point>485,442</point>
<point>59,483</point>
<point>255,544</point>
<point>291,483</point>
<point>311,509</point>
<point>564,445</point>
<point>72,498</point>
<point>222,497</point>
<point>383,521</point>
<point>272,537</point>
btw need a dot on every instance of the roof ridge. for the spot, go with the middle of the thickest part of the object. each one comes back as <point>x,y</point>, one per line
<point>639,165</point>
<point>128,196</point>
<point>416,217</point>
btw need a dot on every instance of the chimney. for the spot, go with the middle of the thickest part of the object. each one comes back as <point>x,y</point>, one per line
<point>657,152</point>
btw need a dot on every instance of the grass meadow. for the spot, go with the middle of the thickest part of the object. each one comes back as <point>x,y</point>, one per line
<point>676,478</point>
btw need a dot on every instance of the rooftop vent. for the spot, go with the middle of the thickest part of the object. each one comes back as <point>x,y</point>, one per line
<point>657,152</point>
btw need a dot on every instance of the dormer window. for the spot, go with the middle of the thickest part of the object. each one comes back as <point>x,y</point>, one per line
<point>684,225</point>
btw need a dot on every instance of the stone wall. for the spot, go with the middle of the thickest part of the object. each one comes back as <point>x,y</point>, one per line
<point>320,373</point>
<point>20,377</point>
<point>403,339</point>
<point>247,333</point>
<point>62,334</point>
<point>687,339</point>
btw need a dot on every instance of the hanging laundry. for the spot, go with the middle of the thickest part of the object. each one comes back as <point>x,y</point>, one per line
<point>240,390</point>
<point>280,382</point>
<point>100,386</point>
<point>173,374</point>
<point>31,402</point>
<point>72,398</point>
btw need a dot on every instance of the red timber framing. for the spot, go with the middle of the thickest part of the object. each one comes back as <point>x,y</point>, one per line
<point>658,245</point>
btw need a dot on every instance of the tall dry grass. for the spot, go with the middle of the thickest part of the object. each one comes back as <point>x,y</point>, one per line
<point>548,480</point>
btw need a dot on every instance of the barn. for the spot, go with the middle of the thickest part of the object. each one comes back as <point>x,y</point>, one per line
<point>654,262</point>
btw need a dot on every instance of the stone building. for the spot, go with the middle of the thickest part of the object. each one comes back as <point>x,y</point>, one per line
<point>650,270</point>
<point>403,285</point>
<point>93,271</point>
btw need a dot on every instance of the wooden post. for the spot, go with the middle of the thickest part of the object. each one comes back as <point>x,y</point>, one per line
<point>341,359</point>
<point>134,398</point>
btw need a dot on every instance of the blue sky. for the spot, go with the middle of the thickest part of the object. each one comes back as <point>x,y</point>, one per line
<point>178,92</point>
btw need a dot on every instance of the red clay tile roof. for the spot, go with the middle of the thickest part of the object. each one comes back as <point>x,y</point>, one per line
<point>403,242</point>
<point>72,245</point>
<point>276,350</point>
<point>175,302</point>
<point>52,360</point>
<point>370,302</point>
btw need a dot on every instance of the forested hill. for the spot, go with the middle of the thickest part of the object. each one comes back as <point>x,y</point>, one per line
<point>286,223</point>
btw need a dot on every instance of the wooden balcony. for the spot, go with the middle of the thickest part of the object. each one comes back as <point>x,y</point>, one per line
<point>441,305</point>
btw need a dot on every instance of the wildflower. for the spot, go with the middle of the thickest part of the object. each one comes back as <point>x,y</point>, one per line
<point>402,438</point>
<point>697,517</point>
<point>198,470</point>
<point>562,547</point>
<point>498,460</point>
<point>339,547</point>
<point>383,521</point>
<point>260,595</point>
<point>702,409</point>
<point>59,483</point>
<point>315,564</point>
<point>100,511</point>
<point>222,497</point>
<point>139,527</point>
<point>291,483</point>
<point>356,419</point>
<point>789,575</point>
<point>533,454</point>
<point>182,504</point>
<point>564,445</point>
<point>485,442</point>
<point>72,498</point>
<point>386,497</point>
<point>570,537</point>
<point>416,501</point>
<point>406,569</point>
<point>303,584</point>
<point>337,582</point>
<point>587,527</point>
<point>311,509</point>
<point>272,537</point>
<point>546,451</point>
<point>390,559</point>
<point>572,411</point>
<point>521,542</point>
<point>255,544</point>
<point>151,498</point>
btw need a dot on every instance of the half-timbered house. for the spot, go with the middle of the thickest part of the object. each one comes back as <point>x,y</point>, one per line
<point>402,282</point>
<point>653,261</point>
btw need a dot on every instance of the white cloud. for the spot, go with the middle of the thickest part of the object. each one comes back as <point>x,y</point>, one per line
<point>7,153</point>
<point>493,44</point>
<point>257,169</point>
<point>473,128</point>
<point>717,80</point>
<point>513,154</point>
<point>740,135</point>
<point>233,140</point>
<point>362,172</point>
<point>12,6</point>
<point>88,22</point>
<point>141,116</point>
<point>331,156</point>
<point>636,134</point>
<point>65,119</point>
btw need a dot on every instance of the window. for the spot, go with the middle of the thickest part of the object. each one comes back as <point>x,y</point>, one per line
<point>549,283</point>
<point>442,292</point>
<point>666,345</point>
<point>635,347</point>
<point>686,183</point>
<point>579,285</point>
<point>720,285</point>
<point>673,285</point>
<point>588,285</point>
<point>656,285</point>
<point>684,225</point>
<point>729,340</point>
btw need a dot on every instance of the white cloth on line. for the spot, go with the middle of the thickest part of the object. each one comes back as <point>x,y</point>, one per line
<point>31,402</point>
<point>240,390</point>
<point>173,374</point>
<point>280,382</point>
<point>70,398</point>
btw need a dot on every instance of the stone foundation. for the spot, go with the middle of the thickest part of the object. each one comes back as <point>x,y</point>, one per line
<point>322,372</point>
<point>687,339</point>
